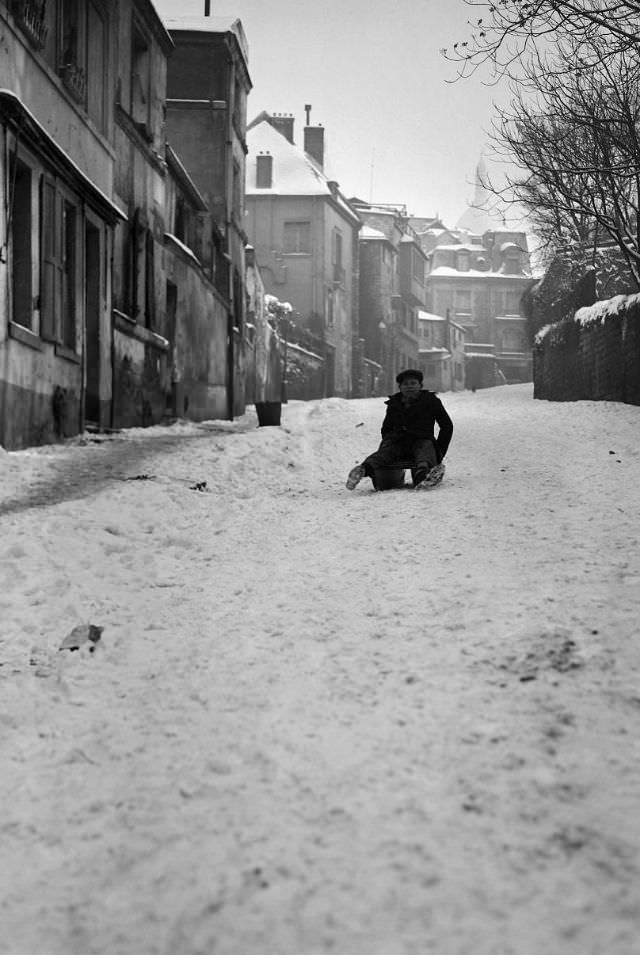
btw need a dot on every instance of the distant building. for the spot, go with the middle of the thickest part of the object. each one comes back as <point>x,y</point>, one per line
<point>392,286</point>
<point>477,275</point>
<point>305,234</point>
<point>441,355</point>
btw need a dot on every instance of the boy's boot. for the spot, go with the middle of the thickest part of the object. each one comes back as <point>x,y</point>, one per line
<point>433,477</point>
<point>355,476</point>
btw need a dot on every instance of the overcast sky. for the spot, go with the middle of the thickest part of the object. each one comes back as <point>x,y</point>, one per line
<point>396,130</point>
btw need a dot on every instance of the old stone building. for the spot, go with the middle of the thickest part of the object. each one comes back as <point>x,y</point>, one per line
<point>477,275</point>
<point>122,290</point>
<point>207,88</point>
<point>305,234</point>
<point>392,287</point>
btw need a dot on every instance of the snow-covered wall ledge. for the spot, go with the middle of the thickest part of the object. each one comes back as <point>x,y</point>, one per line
<point>593,355</point>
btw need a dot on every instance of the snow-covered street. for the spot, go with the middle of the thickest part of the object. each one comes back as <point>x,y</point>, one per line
<point>318,721</point>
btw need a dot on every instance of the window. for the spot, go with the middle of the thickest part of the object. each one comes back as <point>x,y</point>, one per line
<point>418,267</point>
<point>297,237</point>
<point>463,302</point>
<point>462,261</point>
<point>96,56</point>
<point>512,303</point>
<point>264,171</point>
<point>72,50</point>
<point>330,309</point>
<point>140,80</point>
<point>20,212</point>
<point>336,256</point>
<point>513,264</point>
<point>237,193</point>
<point>59,261</point>
<point>512,340</point>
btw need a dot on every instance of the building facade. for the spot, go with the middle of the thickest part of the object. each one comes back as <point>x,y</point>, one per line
<point>441,356</point>
<point>305,235</point>
<point>122,270</point>
<point>206,113</point>
<point>477,275</point>
<point>479,282</point>
<point>58,217</point>
<point>392,287</point>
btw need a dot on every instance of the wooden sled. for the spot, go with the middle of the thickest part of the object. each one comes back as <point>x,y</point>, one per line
<point>390,477</point>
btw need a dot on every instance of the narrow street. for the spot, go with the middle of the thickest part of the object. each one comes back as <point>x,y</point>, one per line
<point>320,721</point>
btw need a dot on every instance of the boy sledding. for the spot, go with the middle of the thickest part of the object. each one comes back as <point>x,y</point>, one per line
<point>408,435</point>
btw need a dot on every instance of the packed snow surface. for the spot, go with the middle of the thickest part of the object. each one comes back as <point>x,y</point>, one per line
<point>318,721</point>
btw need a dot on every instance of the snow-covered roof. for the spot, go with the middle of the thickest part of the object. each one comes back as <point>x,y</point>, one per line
<point>435,351</point>
<point>429,316</point>
<point>445,270</point>
<point>294,172</point>
<point>229,24</point>
<point>366,232</point>
<point>459,247</point>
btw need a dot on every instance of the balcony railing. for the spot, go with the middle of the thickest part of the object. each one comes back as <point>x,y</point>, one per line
<point>30,17</point>
<point>74,79</point>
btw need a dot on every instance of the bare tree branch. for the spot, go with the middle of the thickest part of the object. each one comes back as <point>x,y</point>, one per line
<point>509,31</point>
<point>575,147</point>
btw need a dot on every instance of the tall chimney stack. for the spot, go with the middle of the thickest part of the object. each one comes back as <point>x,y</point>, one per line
<point>314,143</point>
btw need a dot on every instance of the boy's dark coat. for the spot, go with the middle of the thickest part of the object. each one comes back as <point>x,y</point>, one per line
<point>418,420</point>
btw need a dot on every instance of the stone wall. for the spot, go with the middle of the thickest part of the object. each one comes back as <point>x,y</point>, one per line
<point>593,355</point>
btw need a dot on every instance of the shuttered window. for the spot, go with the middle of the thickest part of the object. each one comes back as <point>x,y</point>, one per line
<point>58,265</point>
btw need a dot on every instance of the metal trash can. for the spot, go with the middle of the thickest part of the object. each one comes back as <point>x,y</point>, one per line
<point>268,413</point>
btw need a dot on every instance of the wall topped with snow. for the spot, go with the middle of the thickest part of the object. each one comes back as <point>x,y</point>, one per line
<point>595,355</point>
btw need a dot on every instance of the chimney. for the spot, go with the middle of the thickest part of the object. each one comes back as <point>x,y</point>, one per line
<point>283,122</point>
<point>264,171</point>
<point>314,143</point>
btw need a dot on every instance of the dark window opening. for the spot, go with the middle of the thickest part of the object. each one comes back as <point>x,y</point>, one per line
<point>140,79</point>
<point>20,238</point>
